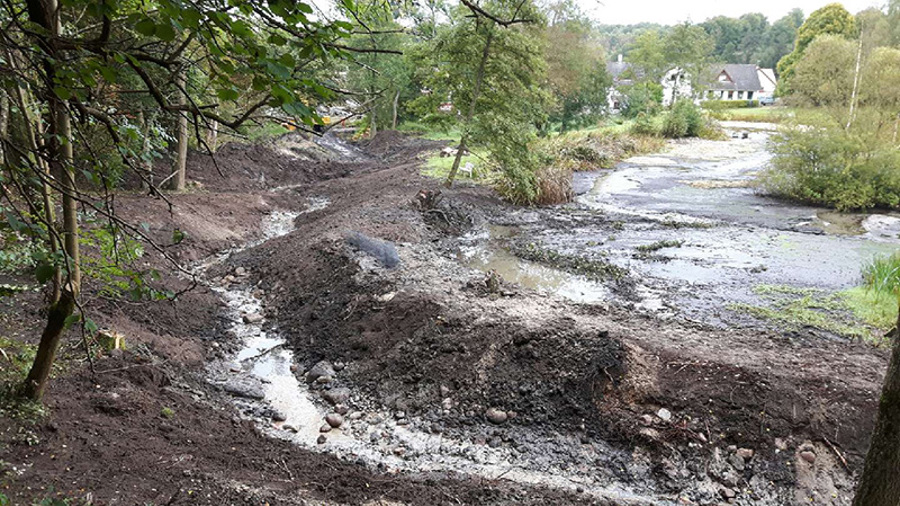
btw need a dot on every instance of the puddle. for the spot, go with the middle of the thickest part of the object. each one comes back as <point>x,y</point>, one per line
<point>487,253</point>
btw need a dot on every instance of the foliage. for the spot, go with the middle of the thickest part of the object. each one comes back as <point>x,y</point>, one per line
<point>832,19</point>
<point>576,70</point>
<point>824,74</point>
<point>596,269</point>
<point>684,119</point>
<point>717,105</point>
<point>828,165</point>
<point>644,97</point>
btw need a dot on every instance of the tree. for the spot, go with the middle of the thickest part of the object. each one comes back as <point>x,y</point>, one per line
<point>689,48</point>
<point>780,39</point>
<point>576,66</point>
<point>488,62</point>
<point>824,75</point>
<point>833,19</point>
<point>878,485</point>
<point>90,67</point>
<point>648,55</point>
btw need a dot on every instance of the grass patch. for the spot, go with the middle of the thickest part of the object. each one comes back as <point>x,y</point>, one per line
<point>857,313</point>
<point>767,114</point>
<point>658,245</point>
<point>597,270</point>
<point>439,167</point>
<point>429,132</point>
<point>882,274</point>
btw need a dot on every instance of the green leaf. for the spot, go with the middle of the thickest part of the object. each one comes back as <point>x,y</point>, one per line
<point>145,27</point>
<point>227,94</point>
<point>178,236</point>
<point>72,320</point>
<point>62,92</point>
<point>165,32</point>
<point>44,272</point>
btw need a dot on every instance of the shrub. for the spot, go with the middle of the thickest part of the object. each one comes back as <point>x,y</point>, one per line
<point>882,273</point>
<point>717,105</point>
<point>644,125</point>
<point>684,119</point>
<point>833,167</point>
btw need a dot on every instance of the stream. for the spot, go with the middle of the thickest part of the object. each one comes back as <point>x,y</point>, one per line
<point>722,237</point>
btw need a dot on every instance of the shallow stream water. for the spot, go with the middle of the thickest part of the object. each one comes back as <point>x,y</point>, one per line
<point>732,238</point>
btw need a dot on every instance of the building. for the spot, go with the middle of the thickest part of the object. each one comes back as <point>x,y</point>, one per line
<point>622,74</point>
<point>736,81</point>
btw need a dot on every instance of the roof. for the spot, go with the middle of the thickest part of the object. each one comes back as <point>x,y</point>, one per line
<point>619,71</point>
<point>741,77</point>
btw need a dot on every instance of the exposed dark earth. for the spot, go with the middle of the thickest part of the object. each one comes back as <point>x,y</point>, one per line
<point>361,335</point>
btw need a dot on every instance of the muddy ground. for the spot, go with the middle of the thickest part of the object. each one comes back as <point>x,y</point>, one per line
<point>456,387</point>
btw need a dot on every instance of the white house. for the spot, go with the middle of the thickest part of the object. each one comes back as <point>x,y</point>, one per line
<point>736,81</point>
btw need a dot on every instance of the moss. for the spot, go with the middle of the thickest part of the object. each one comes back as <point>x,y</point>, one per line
<point>854,313</point>
<point>591,268</point>
<point>658,245</point>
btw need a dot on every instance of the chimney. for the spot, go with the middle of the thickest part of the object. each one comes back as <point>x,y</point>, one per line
<point>620,57</point>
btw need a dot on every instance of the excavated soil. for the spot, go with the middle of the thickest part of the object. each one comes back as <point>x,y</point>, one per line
<point>675,411</point>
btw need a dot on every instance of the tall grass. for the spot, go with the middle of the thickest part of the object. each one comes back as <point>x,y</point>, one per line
<point>882,273</point>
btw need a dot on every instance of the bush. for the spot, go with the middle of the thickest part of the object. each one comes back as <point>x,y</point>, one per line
<point>718,105</point>
<point>882,274</point>
<point>684,119</point>
<point>835,168</point>
<point>644,125</point>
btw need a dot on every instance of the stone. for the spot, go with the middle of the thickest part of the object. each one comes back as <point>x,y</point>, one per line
<point>647,420</point>
<point>325,428</point>
<point>321,439</point>
<point>336,396</point>
<point>496,416</point>
<point>808,456</point>
<point>322,380</point>
<point>745,453</point>
<point>341,409</point>
<point>780,444</point>
<point>736,462</point>
<point>335,420</point>
<point>728,493</point>
<point>664,414</point>
<point>357,415</point>
<point>323,368</point>
<point>339,366</point>
<point>240,271</point>
<point>289,428</point>
<point>444,391</point>
<point>278,416</point>
<point>253,318</point>
<point>248,392</point>
<point>446,403</point>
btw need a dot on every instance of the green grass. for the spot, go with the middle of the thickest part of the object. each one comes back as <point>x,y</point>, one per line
<point>767,114</point>
<point>424,131</point>
<point>857,313</point>
<point>439,167</point>
<point>882,273</point>
<point>658,245</point>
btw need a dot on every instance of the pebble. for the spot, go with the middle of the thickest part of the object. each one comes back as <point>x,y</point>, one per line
<point>321,439</point>
<point>325,428</point>
<point>664,414</point>
<point>728,493</point>
<point>240,271</point>
<point>745,453</point>
<point>324,379</point>
<point>336,395</point>
<point>496,416</point>
<point>253,318</point>
<point>335,420</point>
<point>357,415</point>
<point>278,416</point>
<point>289,428</point>
<point>444,391</point>
<point>808,456</point>
<point>322,368</point>
<point>341,409</point>
<point>737,462</point>
<point>339,366</point>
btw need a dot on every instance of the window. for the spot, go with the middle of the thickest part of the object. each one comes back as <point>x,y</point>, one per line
<point>730,95</point>
<point>749,95</point>
<point>740,95</point>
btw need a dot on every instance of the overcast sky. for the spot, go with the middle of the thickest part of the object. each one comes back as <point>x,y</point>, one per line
<point>669,12</point>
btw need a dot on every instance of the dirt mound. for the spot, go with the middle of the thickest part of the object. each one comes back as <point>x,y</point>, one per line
<point>391,145</point>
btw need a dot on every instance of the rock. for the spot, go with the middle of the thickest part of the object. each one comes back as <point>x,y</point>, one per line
<point>248,392</point>
<point>341,409</point>
<point>235,368</point>
<point>278,416</point>
<point>325,428</point>
<point>808,456</point>
<point>294,368</point>
<point>495,415</point>
<point>321,439</point>
<point>736,462</point>
<point>323,380</point>
<point>780,444</point>
<point>335,420</point>
<point>240,271</point>
<point>701,437</point>
<point>336,396</point>
<point>399,414</point>
<point>289,428</point>
<point>339,366</point>
<point>253,318</point>
<point>444,391</point>
<point>745,453</point>
<point>323,368</point>
<point>357,415</point>
<point>446,403</point>
<point>664,414</point>
<point>647,420</point>
<point>728,493</point>
<point>403,421</point>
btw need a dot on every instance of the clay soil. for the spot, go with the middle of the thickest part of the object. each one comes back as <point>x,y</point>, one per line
<point>147,428</point>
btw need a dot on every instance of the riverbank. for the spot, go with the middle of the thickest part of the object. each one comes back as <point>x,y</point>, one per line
<point>454,386</point>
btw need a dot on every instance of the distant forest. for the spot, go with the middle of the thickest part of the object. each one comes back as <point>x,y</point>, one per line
<point>747,39</point>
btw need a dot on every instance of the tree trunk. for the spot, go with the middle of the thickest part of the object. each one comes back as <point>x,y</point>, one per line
<point>476,92</point>
<point>60,153</point>
<point>177,182</point>
<point>212,135</point>
<point>855,92</point>
<point>36,382</point>
<point>879,485</point>
<point>396,103</point>
<point>145,164</point>
<point>4,124</point>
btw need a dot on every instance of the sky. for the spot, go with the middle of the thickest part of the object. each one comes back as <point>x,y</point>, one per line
<point>670,12</point>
